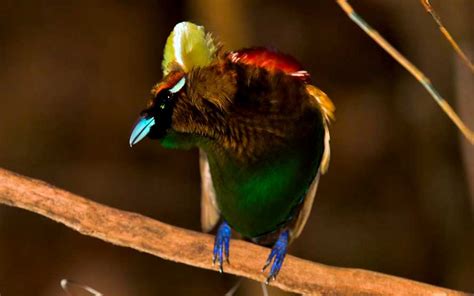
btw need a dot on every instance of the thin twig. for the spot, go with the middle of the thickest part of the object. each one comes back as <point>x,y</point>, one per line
<point>193,248</point>
<point>469,134</point>
<point>427,5</point>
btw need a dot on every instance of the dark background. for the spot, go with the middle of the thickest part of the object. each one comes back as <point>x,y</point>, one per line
<point>398,197</point>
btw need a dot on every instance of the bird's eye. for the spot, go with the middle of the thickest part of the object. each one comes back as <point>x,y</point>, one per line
<point>162,106</point>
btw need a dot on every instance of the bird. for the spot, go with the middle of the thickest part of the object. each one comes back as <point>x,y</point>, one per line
<point>262,131</point>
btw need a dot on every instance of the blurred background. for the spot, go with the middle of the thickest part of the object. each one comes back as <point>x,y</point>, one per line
<point>399,195</point>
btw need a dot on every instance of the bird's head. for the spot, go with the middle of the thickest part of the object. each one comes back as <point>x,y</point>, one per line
<point>187,47</point>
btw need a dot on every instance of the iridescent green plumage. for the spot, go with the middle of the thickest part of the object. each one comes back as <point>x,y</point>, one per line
<point>258,198</point>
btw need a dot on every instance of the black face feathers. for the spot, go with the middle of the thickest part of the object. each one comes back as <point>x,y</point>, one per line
<point>161,107</point>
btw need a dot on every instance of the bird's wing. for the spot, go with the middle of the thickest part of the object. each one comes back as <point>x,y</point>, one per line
<point>209,211</point>
<point>327,108</point>
<point>306,208</point>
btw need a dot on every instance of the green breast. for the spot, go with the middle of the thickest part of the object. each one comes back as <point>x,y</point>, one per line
<point>258,198</point>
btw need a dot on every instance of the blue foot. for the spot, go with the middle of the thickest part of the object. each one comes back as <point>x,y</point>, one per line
<point>277,256</point>
<point>221,245</point>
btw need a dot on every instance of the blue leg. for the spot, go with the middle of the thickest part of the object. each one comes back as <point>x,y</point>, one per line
<point>277,256</point>
<point>221,245</point>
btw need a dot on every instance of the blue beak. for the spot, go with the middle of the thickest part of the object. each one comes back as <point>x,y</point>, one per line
<point>141,129</point>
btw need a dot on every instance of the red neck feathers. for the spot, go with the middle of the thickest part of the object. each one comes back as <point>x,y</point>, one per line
<point>270,60</point>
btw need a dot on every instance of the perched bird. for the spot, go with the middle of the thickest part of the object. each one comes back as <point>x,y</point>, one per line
<point>261,129</point>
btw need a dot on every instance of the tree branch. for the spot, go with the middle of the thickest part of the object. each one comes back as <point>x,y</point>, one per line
<point>172,243</point>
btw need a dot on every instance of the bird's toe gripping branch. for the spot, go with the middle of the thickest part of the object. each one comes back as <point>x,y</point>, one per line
<point>277,256</point>
<point>221,245</point>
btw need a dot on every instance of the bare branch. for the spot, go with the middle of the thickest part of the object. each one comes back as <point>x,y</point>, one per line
<point>193,248</point>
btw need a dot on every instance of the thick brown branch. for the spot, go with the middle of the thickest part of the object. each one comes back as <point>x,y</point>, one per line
<point>193,248</point>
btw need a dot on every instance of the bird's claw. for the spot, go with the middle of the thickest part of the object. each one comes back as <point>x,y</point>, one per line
<point>277,256</point>
<point>221,245</point>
